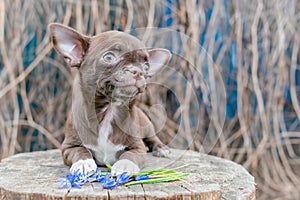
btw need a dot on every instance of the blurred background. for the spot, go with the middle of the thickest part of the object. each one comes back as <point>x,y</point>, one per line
<point>232,89</point>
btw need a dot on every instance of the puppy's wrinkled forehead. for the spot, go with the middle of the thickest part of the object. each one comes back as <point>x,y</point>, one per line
<point>115,41</point>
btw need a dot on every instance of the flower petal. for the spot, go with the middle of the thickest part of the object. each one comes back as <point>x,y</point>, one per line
<point>122,178</point>
<point>98,174</point>
<point>68,177</point>
<point>104,178</point>
<point>61,179</point>
<point>68,185</point>
<point>142,177</point>
<point>76,185</point>
<point>62,184</point>
<point>90,173</point>
<point>91,179</point>
<point>109,183</point>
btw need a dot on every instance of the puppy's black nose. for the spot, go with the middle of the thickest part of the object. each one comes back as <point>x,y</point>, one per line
<point>137,72</point>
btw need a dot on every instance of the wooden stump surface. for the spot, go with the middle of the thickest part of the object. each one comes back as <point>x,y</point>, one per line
<point>34,176</point>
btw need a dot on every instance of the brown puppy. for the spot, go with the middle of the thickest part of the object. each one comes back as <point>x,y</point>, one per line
<point>104,125</point>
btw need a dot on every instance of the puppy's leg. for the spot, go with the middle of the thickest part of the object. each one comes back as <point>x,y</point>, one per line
<point>130,161</point>
<point>74,154</point>
<point>152,141</point>
<point>157,147</point>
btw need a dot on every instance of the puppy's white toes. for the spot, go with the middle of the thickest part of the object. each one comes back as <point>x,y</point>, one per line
<point>161,152</point>
<point>125,165</point>
<point>83,166</point>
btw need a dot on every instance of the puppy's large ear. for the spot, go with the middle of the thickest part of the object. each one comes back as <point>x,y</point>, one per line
<point>157,59</point>
<point>69,43</point>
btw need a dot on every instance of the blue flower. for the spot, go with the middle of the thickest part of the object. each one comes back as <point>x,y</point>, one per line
<point>84,178</point>
<point>122,178</point>
<point>98,174</point>
<point>109,183</point>
<point>104,178</point>
<point>64,182</point>
<point>69,182</point>
<point>142,177</point>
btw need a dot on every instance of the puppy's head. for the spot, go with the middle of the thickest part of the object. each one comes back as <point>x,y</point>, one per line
<point>115,63</point>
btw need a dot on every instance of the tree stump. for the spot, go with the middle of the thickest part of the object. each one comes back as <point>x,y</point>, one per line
<point>34,176</point>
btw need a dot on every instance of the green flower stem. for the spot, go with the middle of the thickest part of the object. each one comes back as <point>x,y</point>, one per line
<point>163,170</point>
<point>108,166</point>
<point>176,168</point>
<point>158,180</point>
<point>151,171</point>
<point>159,175</point>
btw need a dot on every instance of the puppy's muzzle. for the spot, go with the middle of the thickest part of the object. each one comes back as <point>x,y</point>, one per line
<point>136,72</point>
<point>131,76</point>
<point>139,76</point>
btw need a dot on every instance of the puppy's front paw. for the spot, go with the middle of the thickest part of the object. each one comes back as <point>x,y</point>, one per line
<point>83,166</point>
<point>161,151</point>
<point>124,165</point>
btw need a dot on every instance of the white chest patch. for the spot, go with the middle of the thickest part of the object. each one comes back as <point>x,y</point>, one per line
<point>105,151</point>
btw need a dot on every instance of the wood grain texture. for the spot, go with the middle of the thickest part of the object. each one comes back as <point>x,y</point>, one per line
<point>34,176</point>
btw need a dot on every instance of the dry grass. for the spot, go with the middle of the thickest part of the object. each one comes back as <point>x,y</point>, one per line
<point>261,39</point>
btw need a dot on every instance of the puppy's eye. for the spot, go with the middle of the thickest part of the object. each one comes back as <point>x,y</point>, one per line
<point>146,66</point>
<point>109,57</point>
